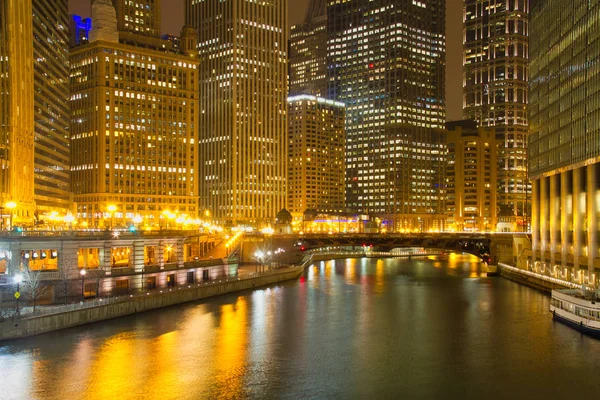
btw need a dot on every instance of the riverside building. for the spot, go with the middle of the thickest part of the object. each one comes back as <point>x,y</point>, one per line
<point>316,155</point>
<point>564,145</point>
<point>243,115</point>
<point>34,114</point>
<point>134,130</point>
<point>308,52</point>
<point>471,177</point>
<point>51,107</point>
<point>495,43</point>
<point>16,112</point>
<point>386,63</point>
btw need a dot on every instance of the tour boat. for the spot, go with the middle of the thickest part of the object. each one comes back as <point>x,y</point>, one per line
<point>577,308</point>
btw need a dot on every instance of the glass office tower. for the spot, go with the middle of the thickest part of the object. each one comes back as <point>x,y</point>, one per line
<point>386,63</point>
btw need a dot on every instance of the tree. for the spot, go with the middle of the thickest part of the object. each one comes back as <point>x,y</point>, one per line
<point>32,283</point>
<point>64,274</point>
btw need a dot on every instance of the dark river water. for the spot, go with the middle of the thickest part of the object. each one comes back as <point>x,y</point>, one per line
<point>348,329</point>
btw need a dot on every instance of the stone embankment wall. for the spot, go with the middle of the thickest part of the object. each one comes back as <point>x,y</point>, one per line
<point>531,281</point>
<point>18,328</point>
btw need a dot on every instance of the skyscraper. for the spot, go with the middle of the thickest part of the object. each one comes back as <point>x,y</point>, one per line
<point>471,177</point>
<point>387,65</point>
<point>134,130</point>
<point>564,144</point>
<point>495,92</point>
<point>52,114</point>
<point>16,111</point>
<point>243,125</point>
<point>139,16</point>
<point>308,52</point>
<point>316,163</point>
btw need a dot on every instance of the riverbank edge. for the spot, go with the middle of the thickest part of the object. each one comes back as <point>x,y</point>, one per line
<point>26,327</point>
<point>529,281</point>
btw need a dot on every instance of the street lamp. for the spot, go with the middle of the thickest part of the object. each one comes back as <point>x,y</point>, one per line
<point>111,209</point>
<point>18,280</point>
<point>82,273</point>
<point>259,255</point>
<point>137,220</point>
<point>11,205</point>
<point>69,218</point>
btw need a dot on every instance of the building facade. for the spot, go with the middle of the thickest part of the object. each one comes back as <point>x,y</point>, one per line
<point>17,133</point>
<point>386,63</point>
<point>564,145</point>
<point>308,52</point>
<point>495,43</point>
<point>139,16</point>
<point>243,120</point>
<point>133,132</point>
<point>317,139</point>
<point>51,103</point>
<point>471,177</point>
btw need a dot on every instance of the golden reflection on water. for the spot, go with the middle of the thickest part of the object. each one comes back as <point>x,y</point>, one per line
<point>112,373</point>
<point>230,350</point>
<point>379,276</point>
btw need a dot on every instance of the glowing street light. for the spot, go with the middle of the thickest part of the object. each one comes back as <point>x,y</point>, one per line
<point>111,209</point>
<point>82,273</point>
<point>11,205</point>
<point>69,218</point>
<point>18,280</point>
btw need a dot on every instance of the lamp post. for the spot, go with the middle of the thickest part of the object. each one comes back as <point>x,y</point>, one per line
<point>137,220</point>
<point>69,218</point>
<point>111,209</point>
<point>259,255</point>
<point>18,280</point>
<point>82,273</point>
<point>11,205</point>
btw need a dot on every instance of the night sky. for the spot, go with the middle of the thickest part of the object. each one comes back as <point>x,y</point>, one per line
<point>172,20</point>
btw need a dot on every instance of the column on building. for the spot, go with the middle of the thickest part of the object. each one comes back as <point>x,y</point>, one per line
<point>592,218</point>
<point>138,255</point>
<point>566,216</point>
<point>578,214</point>
<point>535,219</point>
<point>161,254</point>
<point>544,217</point>
<point>180,253</point>
<point>107,265</point>
<point>553,223</point>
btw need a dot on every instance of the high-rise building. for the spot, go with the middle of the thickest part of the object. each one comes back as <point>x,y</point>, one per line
<point>386,63</point>
<point>308,52</point>
<point>471,177</point>
<point>564,143</point>
<point>243,122</point>
<point>134,130</point>
<point>139,16</point>
<point>51,104</point>
<point>495,42</point>
<point>16,112</point>
<point>317,139</point>
<point>139,24</point>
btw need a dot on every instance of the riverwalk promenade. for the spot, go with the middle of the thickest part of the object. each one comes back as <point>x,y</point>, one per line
<point>52,318</point>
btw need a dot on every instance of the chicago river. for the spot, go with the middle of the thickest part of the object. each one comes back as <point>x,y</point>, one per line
<point>354,328</point>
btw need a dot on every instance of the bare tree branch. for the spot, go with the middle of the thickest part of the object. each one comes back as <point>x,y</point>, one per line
<point>32,283</point>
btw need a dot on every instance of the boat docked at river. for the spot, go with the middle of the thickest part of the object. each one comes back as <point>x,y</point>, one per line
<point>577,308</point>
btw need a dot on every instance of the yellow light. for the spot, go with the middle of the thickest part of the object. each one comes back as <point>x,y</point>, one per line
<point>10,205</point>
<point>111,208</point>
<point>268,231</point>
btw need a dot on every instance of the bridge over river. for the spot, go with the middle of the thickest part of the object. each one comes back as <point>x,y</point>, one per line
<point>490,247</point>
